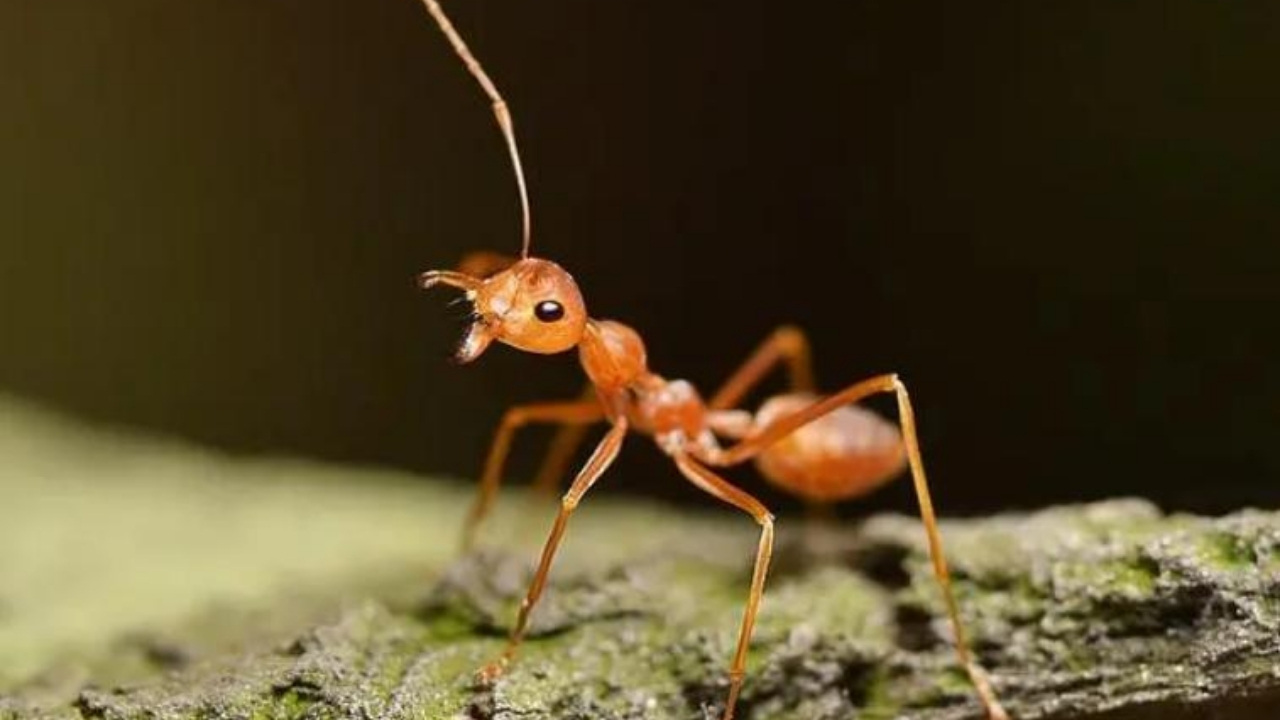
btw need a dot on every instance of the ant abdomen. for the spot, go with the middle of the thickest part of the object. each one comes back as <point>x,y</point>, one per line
<point>844,454</point>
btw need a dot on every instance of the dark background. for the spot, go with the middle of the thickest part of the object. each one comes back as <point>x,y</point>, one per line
<point>1058,222</point>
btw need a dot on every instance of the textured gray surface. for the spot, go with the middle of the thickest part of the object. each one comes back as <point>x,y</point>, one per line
<point>145,579</point>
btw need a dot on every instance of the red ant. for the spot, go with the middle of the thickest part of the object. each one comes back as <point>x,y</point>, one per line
<point>823,449</point>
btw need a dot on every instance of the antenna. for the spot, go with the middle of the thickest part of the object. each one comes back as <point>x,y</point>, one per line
<point>500,110</point>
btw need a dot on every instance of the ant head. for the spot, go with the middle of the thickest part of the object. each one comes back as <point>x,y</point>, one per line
<point>534,305</point>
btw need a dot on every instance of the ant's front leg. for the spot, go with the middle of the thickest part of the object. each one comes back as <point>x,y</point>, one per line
<point>577,412</point>
<point>600,461</point>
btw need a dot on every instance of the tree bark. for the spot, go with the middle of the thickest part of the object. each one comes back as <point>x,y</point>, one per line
<point>1109,610</point>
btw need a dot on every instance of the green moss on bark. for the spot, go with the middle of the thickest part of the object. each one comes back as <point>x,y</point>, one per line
<point>1109,610</point>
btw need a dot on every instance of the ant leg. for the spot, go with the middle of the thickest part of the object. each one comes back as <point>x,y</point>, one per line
<point>556,465</point>
<point>600,461</point>
<point>723,490</point>
<point>784,426</point>
<point>786,344</point>
<point>566,442</point>
<point>787,424</point>
<point>579,412</point>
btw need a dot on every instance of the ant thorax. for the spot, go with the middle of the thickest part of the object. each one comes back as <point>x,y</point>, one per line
<point>613,356</point>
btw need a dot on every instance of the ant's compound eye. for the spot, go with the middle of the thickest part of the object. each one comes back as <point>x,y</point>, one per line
<point>549,311</point>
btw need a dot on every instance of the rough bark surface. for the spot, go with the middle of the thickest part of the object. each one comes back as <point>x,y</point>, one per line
<point>150,580</point>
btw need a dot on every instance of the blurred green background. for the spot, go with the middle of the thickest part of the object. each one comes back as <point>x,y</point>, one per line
<point>1058,222</point>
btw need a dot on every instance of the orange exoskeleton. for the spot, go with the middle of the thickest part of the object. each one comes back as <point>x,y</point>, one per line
<point>821,447</point>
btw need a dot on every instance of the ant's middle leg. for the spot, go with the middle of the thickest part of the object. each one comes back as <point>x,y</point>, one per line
<point>579,412</point>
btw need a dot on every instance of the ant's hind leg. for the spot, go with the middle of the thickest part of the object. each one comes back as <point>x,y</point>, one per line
<point>723,490</point>
<point>787,344</point>
<point>600,461</point>
<point>788,424</point>
<point>580,412</point>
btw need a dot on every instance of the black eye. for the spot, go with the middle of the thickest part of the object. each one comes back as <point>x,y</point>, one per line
<point>549,311</point>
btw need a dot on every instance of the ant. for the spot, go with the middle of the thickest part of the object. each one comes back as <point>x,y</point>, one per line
<point>822,448</point>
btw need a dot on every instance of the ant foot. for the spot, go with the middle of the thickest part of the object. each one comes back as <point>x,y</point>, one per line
<point>492,671</point>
